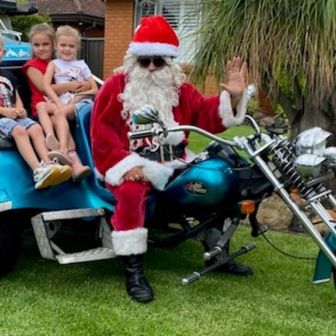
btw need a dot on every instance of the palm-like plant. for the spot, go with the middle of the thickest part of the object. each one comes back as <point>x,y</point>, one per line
<point>283,40</point>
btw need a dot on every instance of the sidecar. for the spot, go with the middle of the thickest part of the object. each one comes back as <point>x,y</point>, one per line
<point>86,202</point>
<point>82,206</point>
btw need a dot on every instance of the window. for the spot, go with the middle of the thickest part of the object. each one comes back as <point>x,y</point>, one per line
<point>181,14</point>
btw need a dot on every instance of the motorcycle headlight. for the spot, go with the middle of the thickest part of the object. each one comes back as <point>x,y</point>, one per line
<point>330,155</point>
<point>309,165</point>
<point>311,141</point>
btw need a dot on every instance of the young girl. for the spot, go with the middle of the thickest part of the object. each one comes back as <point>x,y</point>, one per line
<point>67,68</point>
<point>42,39</point>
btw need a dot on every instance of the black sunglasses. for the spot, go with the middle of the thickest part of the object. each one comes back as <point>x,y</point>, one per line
<point>145,61</point>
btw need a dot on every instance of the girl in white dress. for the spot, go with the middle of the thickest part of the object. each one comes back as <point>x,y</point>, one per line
<point>66,68</point>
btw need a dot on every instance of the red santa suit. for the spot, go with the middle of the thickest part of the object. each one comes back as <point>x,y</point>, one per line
<point>112,155</point>
<point>113,158</point>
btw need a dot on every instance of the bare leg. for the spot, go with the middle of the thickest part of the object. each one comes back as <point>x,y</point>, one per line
<point>24,146</point>
<point>71,143</point>
<point>44,110</point>
<point>62,126</point>
<point>68,146</point>
<point>78,170</point>
<point>36,134</point>
<point>70,112</point>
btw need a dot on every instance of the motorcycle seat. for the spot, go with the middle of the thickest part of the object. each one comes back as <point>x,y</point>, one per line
<point>83,143</point>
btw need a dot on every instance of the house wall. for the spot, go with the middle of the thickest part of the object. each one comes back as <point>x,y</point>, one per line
<point>118,32</point>
<point>119,22</point>
<point>210,86</point>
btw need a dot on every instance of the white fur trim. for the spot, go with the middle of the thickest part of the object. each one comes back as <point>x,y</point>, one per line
<point>114,175</point>
<point>226,112</point>
<point>189,155</point>
<point>181,164</point>
<point>153,49</point>
<point>174,138</point>
<point>225,109</point>
<point>242,105</point>
<point>130,241</point>
<point>157,173</point>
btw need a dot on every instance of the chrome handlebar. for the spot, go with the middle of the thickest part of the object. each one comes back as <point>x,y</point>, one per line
<point>189,128</point>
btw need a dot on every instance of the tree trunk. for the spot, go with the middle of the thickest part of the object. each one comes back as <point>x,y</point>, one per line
<point>265,104</point>
<point>313,116</point>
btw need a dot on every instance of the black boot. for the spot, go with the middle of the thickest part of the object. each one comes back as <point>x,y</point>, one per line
<point>232,266</point>
<point>137,286</point>
<point>236,268</point>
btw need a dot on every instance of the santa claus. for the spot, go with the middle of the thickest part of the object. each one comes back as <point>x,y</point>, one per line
<point>130,169</point>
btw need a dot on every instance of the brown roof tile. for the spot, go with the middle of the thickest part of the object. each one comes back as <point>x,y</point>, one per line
<point>88,7</point>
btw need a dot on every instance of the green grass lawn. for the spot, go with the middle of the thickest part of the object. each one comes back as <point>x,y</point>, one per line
<point>198,142</point>
<point>43,298</point>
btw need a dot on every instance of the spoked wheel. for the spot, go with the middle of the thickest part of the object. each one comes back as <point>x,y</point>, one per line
<point>10,245</point>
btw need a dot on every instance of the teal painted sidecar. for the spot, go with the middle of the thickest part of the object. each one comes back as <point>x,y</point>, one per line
<point>86,203</point>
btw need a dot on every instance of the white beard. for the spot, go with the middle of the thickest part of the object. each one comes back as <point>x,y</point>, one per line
<point>159,89</point>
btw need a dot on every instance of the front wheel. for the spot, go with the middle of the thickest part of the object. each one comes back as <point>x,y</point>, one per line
<point>10,245</point>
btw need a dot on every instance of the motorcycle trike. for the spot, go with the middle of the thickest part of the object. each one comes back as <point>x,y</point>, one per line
<point>208,197</point>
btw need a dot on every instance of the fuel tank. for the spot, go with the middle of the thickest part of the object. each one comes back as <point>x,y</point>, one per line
<point>204,185</point>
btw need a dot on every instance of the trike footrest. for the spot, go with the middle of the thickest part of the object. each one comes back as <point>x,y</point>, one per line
<point>47,224</point>
<point>99,253</point>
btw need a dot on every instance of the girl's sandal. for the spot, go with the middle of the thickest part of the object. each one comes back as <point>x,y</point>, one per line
<point>52,143</point>
<point>81,173</point>
<point>60,156</point>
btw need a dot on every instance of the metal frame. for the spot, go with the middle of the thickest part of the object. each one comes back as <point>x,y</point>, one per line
<point>44,232</point>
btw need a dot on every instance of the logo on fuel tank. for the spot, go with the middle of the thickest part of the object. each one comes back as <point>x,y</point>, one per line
<point>197,188</point>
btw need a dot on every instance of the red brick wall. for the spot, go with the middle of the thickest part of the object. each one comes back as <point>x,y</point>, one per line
<point>118,32</point>
<point>210,87</point>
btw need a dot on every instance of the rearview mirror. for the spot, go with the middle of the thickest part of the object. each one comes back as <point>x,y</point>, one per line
<point>146,115</point>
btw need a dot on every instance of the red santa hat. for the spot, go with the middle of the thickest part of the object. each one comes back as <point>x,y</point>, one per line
<point>154,37</point>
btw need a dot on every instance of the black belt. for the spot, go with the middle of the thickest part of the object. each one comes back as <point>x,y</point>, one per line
<point>163,153</point>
